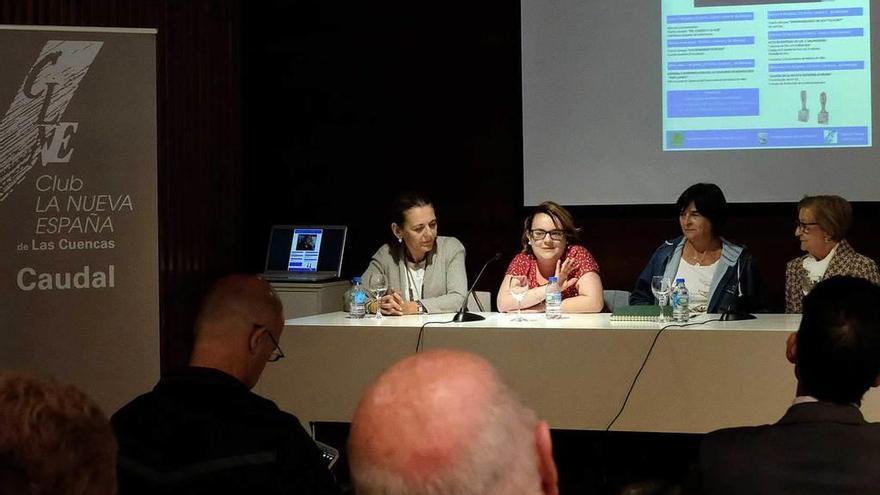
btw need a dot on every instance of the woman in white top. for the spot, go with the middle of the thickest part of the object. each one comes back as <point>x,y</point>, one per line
<point>719,275</point>
<point>823,222</point>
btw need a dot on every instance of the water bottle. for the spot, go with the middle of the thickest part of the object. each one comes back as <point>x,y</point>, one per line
<point>553,301</point>
<point>358,301</point>
<point>680,301</point>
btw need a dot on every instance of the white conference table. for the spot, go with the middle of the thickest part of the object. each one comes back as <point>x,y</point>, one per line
<point>575,372</point>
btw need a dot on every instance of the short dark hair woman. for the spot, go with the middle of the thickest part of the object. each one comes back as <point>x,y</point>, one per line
<point>425,272</point>
<point>551,247</point>
<point>720,276</point>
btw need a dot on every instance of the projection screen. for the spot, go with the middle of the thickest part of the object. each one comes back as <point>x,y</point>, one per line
<point>630,101</point>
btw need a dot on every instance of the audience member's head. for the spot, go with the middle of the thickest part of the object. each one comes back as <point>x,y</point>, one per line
<point>238,328</point>
<point>443,423</point>
<point>53,440</point>
<point>836,350</point>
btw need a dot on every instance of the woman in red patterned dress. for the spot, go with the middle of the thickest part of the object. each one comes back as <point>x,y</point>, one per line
<point>550,248</point>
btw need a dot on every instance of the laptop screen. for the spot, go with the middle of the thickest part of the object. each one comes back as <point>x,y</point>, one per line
<point>306,249</point>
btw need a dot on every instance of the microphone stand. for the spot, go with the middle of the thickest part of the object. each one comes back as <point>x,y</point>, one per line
<point>738,314</point>
<point>463,314</point>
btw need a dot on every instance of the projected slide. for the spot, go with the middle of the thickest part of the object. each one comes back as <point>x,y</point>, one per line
<point>750,74</point>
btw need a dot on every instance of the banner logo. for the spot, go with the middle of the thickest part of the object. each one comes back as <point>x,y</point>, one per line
<point>32,131</point>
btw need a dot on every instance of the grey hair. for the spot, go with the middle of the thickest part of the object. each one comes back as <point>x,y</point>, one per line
<point>501,459</point>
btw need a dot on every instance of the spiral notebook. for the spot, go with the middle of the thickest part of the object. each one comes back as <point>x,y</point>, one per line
<point>639,313</point>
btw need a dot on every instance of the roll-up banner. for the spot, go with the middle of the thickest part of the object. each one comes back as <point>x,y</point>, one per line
<point>79,291</point>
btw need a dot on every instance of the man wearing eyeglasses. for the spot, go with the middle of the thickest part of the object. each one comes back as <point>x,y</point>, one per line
<point>202,430</point>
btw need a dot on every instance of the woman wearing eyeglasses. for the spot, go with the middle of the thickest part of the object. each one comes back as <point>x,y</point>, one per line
<point>550,249</point>
<point>823,222</point>
<point>720,275</point>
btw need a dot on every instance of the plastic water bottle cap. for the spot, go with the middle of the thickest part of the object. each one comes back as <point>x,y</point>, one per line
<point>552,280</point>
<point>356,280</point>
<point>679,280</point>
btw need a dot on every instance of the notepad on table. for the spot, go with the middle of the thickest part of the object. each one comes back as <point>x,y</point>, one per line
<point>639,313</point>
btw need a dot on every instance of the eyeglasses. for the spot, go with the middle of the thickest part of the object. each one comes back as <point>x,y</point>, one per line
<point>540,234</point>
<point>804,226</point>
<point>277,353</point>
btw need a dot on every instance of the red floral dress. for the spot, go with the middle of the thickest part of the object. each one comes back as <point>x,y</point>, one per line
<point>526,264</point>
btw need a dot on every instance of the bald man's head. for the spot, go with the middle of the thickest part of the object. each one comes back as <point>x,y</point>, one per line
<point>442,422</point>
<point>237,322</point>
<point>238,299</point>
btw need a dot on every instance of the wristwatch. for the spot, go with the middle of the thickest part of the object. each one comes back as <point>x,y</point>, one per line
<point>422,308</point>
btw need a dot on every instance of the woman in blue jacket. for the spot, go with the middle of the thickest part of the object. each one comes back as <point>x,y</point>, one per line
<point>720,276</point>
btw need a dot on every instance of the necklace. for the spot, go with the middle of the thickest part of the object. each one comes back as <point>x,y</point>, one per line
<point>697,257</point>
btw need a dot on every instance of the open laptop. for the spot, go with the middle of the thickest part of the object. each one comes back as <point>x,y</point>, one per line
<point>302,253</point>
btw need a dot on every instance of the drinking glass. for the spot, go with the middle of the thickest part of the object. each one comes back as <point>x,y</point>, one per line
<point>661,287</point>
<point>519,285</point>
<point>378,285</point>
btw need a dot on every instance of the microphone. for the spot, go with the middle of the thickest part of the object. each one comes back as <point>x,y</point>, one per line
<point>463,315</point>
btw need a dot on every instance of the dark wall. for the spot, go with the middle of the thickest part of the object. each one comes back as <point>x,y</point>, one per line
<point>345,106</point>
<point>200,175</point>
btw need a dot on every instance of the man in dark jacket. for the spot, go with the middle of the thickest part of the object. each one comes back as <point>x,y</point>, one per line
<point>823,443</point>
<point>201,429</point>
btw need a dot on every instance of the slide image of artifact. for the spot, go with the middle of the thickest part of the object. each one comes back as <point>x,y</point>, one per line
<point>823,115</point>
<point>804,113</point>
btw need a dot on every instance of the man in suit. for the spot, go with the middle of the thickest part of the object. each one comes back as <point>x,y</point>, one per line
<point>822,444</point>
<point>442,423</point>
<point>201,430</point>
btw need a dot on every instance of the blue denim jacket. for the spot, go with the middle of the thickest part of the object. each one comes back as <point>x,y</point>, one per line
<point>735,286</point>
